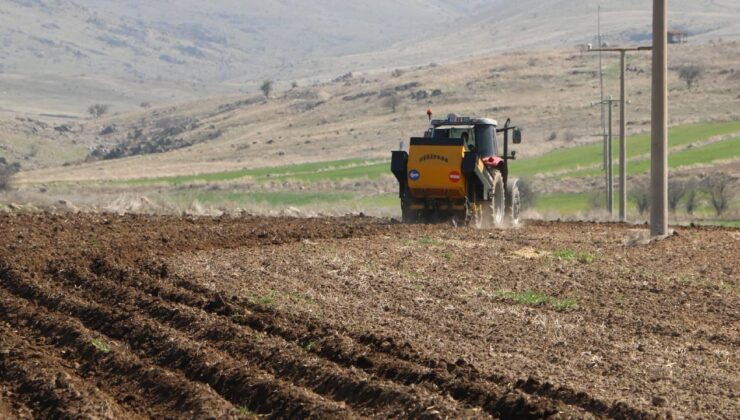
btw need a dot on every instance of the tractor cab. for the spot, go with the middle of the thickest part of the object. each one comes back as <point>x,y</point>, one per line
<point>478,134</point>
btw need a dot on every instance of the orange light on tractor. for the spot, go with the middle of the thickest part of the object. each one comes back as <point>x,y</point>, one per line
<point>429,113</point>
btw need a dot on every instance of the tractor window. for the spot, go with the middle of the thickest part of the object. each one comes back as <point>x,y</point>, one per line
<point>485,139</point>
<point>441,134</point>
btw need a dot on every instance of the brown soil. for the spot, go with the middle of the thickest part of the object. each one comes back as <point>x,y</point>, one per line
<point>137,316</point>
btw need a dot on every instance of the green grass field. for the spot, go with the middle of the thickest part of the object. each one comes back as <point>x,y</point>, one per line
<point>579,161</point>
<point>278,199</point>
<point>576,161</point>
<point>309,172</point>
<point>587,159</point>
<point>727,149</point>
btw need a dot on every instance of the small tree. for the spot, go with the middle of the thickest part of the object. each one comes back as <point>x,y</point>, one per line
<point>392,102</point>
<point>266,88</point>
<point>597,200</point>
<point>294,85</point>
<point>676,191</point>
<point>719,188</point>
<point>98,110</point>
<point>690,74</point>
<point>527,196</point>
<point>641,195</point>
<point>692,197</point>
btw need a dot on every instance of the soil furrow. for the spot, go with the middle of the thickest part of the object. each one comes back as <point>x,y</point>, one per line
<point>368,395</point>
<point>241,385</point>
<point>40,380</point>
<point>143,388</point>
<point>186,317</point>
<point>496,399</point>
<point>418,369</point>
<point>303,330</point>
<point>532,386</point>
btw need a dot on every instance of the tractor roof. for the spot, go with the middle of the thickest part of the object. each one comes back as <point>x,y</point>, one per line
<point>455,121</point>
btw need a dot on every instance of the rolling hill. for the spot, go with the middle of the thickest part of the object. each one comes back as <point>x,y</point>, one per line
<point>58,57</point>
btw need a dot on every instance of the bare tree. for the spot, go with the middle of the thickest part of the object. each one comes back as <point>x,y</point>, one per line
<point>527,196</point>
<point>597,200</point>
<point>266,88</point>
<point>690,74</point>
<point>676,191</point>
<point>392,102</point>
<point>98,110</point>
<point>720,193</point>
<point>692,197</point>
<point>641,195</point>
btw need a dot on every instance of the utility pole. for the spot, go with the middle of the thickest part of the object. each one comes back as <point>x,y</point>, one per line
<point>609,167</point>
<point>622,140</point>
<point>609,172</point>
<point>659,141</point>
<point>601,83</point>
<point>622,126</point>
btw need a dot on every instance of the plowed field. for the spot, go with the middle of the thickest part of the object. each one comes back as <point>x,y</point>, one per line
<point>137,317</point>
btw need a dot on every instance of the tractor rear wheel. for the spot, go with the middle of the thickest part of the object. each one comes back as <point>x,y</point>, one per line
<point>498,201</point>
<point>513,205</point>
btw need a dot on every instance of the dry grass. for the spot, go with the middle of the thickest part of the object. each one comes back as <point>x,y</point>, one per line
<point>316,123</point>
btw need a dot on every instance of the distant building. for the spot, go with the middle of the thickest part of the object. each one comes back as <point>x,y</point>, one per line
<point>678,37</point>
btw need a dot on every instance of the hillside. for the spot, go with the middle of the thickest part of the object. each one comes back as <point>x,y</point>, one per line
<point>549,94</point>
<point>326,148</point>
<point>136,51</point>
<point>61,56</point>
<point>523,25</point>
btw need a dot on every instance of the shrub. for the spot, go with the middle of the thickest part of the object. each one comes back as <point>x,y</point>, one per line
<point>720,192</point>
<point>690,74</point>
<point>98,110</point>
<point>527,196</point>
<point>641,195</point>
<point>692,197</point>
<point>597,200</point>
<point>7,170</point>
<point>676,191</point>
<point>392,101</point>
<point>266,88</point>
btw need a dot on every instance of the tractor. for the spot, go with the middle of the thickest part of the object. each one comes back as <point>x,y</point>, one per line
<point>458,173</point>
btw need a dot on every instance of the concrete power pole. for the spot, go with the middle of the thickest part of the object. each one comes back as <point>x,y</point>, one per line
<point>609,171</point>
<point>601,83</point>
<point>622,143</point>
<point>610,166</point>
<point>622,128</point>
<point>659,141</point>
